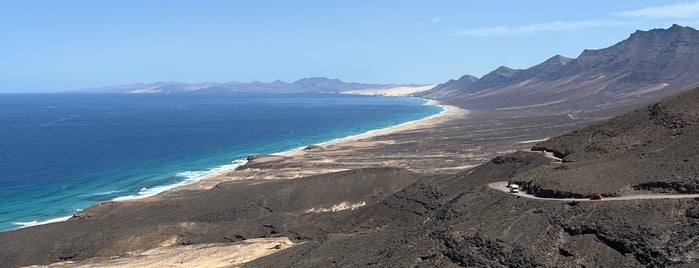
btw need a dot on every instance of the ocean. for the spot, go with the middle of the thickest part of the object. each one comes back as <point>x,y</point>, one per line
<point>61,153</point>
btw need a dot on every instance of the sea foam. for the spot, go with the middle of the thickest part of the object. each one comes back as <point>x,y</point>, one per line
<point>189,177</point>
<point>35,223</point>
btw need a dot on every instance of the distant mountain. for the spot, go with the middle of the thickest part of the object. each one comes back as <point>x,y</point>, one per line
<point>313,84</point>
<point>643,67</point>
<point>459,86</point>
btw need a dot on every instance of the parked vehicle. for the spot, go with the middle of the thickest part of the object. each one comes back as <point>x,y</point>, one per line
<point>596,197</point>
<point>514,188</point>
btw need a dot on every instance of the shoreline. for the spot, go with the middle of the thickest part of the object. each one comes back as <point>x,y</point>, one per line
<point>296,155</point>
<point>222,170</point>
<point>214,175</point>
<point>383,131</point>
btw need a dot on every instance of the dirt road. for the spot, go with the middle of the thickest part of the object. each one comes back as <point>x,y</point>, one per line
<point>502,186</point>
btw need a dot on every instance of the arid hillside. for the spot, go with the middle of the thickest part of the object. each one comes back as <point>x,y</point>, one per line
<point>647,65</point>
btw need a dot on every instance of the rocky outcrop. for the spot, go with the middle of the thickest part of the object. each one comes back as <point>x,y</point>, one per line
<point>314,148</point>
<point>649,149</point>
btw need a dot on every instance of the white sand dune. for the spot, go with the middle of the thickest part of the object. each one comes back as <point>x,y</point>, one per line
<point>395,91</point>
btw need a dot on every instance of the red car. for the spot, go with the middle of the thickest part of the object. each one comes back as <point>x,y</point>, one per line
<point>596,197</point>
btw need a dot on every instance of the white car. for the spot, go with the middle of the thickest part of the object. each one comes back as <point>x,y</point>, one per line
<point>514,188</point>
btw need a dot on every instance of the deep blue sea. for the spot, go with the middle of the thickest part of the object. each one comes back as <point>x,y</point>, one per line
<point>60,153</point>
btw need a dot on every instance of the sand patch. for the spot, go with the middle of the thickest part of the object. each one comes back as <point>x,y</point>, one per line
<point>531,106</point>
<point>200,255</point>
<point>532,141</point>
<point>337,207</point>
<point>651,89</point>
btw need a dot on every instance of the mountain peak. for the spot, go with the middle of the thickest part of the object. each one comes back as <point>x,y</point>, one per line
<point>644,42</point>
<point>318,79</point>
<point>673,32</point>
<point>468,78</point>
<point>558,60</point>
<point>677,27</point>
<point>503,69</point>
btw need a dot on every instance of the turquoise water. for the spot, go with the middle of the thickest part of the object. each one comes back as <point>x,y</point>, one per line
<point>60,153</point>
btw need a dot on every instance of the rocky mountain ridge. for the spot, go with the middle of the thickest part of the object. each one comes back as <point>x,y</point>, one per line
<point>647,65</point>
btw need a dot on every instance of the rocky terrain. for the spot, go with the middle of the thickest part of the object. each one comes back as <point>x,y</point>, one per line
<point>659,141</point>
<point>228,213</point>
<point>647,65</point>
<point>457,220</point>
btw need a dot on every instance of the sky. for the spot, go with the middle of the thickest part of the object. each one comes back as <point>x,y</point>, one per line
<point>48,46</point>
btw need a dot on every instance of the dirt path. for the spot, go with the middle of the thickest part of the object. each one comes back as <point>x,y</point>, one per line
<point>551,156</point>
<point>502,186</point>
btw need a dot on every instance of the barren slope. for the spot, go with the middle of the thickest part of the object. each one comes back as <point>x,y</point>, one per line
<point>647,65</point>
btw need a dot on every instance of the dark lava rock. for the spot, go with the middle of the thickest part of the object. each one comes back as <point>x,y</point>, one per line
<point>314,148</point>
<point>255,156</point>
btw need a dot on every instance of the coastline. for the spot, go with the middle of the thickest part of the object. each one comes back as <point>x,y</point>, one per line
<point>444,144</point>
<point>214,176</point>
<point>299,158</point>
<point>447,112</point>
<point>427,121</point>
<point>207,179</point>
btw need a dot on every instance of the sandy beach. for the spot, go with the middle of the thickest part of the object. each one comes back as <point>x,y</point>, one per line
<point>339,155</point>
<point>394,91</point>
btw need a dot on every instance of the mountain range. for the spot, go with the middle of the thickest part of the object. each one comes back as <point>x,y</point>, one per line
<point>647,65</point>
<point>313,84</point>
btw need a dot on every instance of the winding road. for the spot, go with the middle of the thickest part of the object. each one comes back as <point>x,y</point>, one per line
<point>551,156</point>
<point>502,186</point>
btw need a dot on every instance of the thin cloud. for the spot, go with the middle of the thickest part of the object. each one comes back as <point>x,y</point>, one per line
<point>676,11</point>
<point>437,20</point>
<point>556,26</point>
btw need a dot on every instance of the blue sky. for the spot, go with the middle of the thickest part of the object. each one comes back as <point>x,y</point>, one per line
<point>64,45</point>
